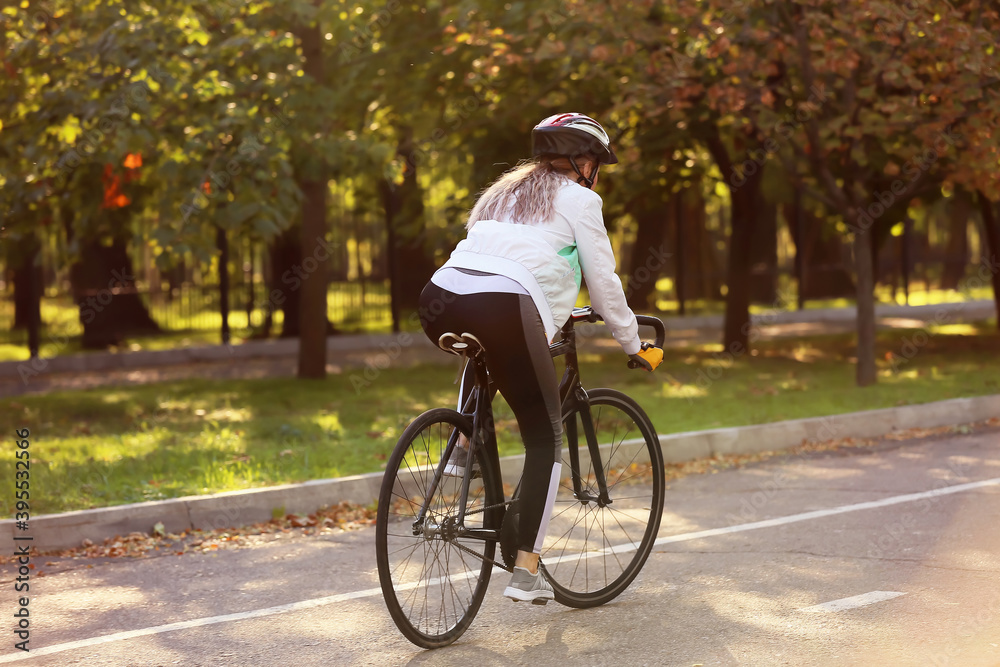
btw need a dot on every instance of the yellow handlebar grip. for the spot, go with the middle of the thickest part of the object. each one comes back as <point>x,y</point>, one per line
<point>653,355</point>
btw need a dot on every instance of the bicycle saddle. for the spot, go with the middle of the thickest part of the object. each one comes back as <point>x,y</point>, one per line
<point>462,345</point>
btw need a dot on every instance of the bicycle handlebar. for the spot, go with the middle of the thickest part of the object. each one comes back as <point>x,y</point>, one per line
<point>587,314</point>
<point>657,324</point>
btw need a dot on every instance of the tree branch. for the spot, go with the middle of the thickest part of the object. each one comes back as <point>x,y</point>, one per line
<point>820,168</point>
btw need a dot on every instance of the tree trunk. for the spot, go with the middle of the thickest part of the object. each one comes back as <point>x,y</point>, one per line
<point>410,263</point>
<point>104,287</point>
<point>222,244</point>
<point>391,256</point>
<point>311,177</point>
<point>313,322</point>
<point>680,265</point>
<point>743,217</point>
<point>905,261</point>
<point>702,276</point>
<point>27,305</point>
<point>745,199</point>
<point>824,274</point>
<point>646,261</point>
<point>875,245</point>
<point>175,279</point>
<point>248,280</point>
<point>992,235</point>
<point>796,224</point>
<point>865,371</point>
<point>286,262</point>
<point>287,274</point>
<point>956,257</point>
<point>764,255</point>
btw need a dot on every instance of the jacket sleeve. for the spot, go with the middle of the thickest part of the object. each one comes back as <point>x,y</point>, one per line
<point>597,261</point>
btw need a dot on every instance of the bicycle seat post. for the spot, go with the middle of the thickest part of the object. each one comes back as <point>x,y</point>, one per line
<point>478,406</point>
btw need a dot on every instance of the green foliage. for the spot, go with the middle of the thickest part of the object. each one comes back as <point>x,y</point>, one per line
<point>840,100</point>
<point>213,97</point>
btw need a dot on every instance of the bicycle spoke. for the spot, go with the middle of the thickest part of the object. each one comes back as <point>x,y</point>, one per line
<point>434,581</point>
<point>609,545</point>
<point>618,533</point>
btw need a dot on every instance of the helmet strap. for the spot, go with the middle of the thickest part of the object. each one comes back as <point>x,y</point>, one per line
<point>583,180</point>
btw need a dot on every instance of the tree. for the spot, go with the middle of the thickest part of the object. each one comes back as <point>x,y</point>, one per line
<point>311,175</point>
<point>190,89</point>
<point>991,232</point>
<point>689,67</point>
<point>877,96</point>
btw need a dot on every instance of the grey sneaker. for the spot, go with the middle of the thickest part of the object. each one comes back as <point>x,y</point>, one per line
<point>525,586</point>
<point>457,462</point>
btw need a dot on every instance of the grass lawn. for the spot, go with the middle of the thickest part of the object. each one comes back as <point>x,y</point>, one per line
<point>119,445</point>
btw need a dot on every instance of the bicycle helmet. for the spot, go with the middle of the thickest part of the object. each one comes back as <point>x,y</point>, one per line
<point>572,135</point>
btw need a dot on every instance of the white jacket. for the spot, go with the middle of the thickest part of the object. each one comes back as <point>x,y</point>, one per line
<point>546,258</point>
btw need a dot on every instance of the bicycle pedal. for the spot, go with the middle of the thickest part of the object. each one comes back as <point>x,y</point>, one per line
<point>540,601</point>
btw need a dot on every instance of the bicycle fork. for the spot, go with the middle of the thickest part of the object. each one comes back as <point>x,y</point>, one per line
<point>581,405</point>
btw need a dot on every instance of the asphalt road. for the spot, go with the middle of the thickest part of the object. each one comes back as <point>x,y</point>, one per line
<point>908,532</point>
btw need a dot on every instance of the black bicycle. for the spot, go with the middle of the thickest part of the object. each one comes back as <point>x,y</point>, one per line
<point>437,536</point>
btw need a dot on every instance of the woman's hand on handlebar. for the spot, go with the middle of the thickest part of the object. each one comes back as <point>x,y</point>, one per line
<point>648,358</point>
<point>635,361</point>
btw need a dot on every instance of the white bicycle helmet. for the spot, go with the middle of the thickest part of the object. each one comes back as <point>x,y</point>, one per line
<point>572,135</point>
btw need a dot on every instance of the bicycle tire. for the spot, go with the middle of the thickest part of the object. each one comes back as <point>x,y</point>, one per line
<point>432,588</point>
<point>586,544</point>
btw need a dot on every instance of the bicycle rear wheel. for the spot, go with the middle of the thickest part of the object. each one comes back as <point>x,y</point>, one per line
<point>434,580</point>
<point>594,550</point>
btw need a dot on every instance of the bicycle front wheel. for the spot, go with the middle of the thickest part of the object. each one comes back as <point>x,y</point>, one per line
<point>433,578</point>
<point>593,548</point>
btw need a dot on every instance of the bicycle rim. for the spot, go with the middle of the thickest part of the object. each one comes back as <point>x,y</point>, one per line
<point>592,553</point>
<point>432,587</point>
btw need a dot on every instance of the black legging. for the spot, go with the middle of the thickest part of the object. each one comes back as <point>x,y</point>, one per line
<point>521,367</point>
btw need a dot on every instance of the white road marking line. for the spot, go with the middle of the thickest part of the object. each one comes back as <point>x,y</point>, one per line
<point>371,592</point>
<point>852,602</point>
<point>194,623</point>
<point>818,514</point>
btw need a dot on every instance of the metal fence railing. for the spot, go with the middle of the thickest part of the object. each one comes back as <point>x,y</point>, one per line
<point>351,307</point>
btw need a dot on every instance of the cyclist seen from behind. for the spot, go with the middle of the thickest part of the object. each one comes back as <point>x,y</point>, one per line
<point>513,282</point>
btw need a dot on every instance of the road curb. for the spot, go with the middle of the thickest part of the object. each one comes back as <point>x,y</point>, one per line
<point>238,508</point>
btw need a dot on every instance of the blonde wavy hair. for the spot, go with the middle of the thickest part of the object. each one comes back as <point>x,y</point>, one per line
<point>524,194</point>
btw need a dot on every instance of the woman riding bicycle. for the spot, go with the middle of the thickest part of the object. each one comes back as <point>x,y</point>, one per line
<point>513,282</point>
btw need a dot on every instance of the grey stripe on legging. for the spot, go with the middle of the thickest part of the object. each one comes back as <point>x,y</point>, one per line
<point>541,360</point>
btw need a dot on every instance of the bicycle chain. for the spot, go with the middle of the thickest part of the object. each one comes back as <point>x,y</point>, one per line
<point>480,556</point>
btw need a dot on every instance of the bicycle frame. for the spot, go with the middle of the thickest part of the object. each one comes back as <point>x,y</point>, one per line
<point>482,414</point>
<point>573,399</point>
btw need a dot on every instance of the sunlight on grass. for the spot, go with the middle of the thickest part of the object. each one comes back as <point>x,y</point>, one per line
<point>104,447</point>
<point>806,353</point>
<point>954,329</point>
<point>330,424</point>
<point>682,391</point>
<point>228,415</point>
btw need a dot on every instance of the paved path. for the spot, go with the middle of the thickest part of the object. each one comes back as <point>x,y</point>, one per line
<point>880,557</point>
<point>259,359</point>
